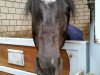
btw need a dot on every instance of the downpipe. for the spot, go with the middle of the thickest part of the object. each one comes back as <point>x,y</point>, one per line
<point>91,5</point>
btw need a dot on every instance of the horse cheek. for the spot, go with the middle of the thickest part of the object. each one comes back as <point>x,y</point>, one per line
<point>59,66</point>
<point>38,67</point>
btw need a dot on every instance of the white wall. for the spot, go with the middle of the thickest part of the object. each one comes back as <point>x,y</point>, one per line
<point>94,55</point>
<point>97,20</point>
<point>94,49</point>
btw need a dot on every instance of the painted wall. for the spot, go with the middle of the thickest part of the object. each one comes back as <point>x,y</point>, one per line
<point>97,21</point>
<point>94,52</point>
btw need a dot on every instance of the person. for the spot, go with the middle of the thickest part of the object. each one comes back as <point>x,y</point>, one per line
<point>73,33</point>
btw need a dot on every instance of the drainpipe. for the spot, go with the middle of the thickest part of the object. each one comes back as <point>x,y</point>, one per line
<point>91,5</point>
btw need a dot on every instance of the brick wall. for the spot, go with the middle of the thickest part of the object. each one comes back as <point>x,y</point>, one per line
<point>82,17</point>
<point>13,22</point>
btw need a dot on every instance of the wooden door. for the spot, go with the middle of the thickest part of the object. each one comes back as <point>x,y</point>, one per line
<point>66,63</point>
<point>30,54</point>
<point>3,73</point>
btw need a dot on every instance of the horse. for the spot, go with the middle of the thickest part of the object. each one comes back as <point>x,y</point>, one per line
<point>49,21</point>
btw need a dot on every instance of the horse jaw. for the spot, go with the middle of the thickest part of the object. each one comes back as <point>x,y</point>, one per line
<point>48,1</point>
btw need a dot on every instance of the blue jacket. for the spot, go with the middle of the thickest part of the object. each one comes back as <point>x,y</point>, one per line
<point>73,33</point>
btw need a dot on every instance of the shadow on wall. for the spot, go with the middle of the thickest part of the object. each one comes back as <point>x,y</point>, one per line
<point>18,34</point>
<point>25,34</point>
<point>86,31</point>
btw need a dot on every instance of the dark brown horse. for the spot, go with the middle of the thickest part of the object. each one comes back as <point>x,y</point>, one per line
<point>49,21</point>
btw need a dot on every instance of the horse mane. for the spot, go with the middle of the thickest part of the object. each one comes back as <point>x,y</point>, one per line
<point>33,7</point>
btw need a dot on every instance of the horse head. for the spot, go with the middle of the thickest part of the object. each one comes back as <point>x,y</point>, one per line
<point>49,21</point>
